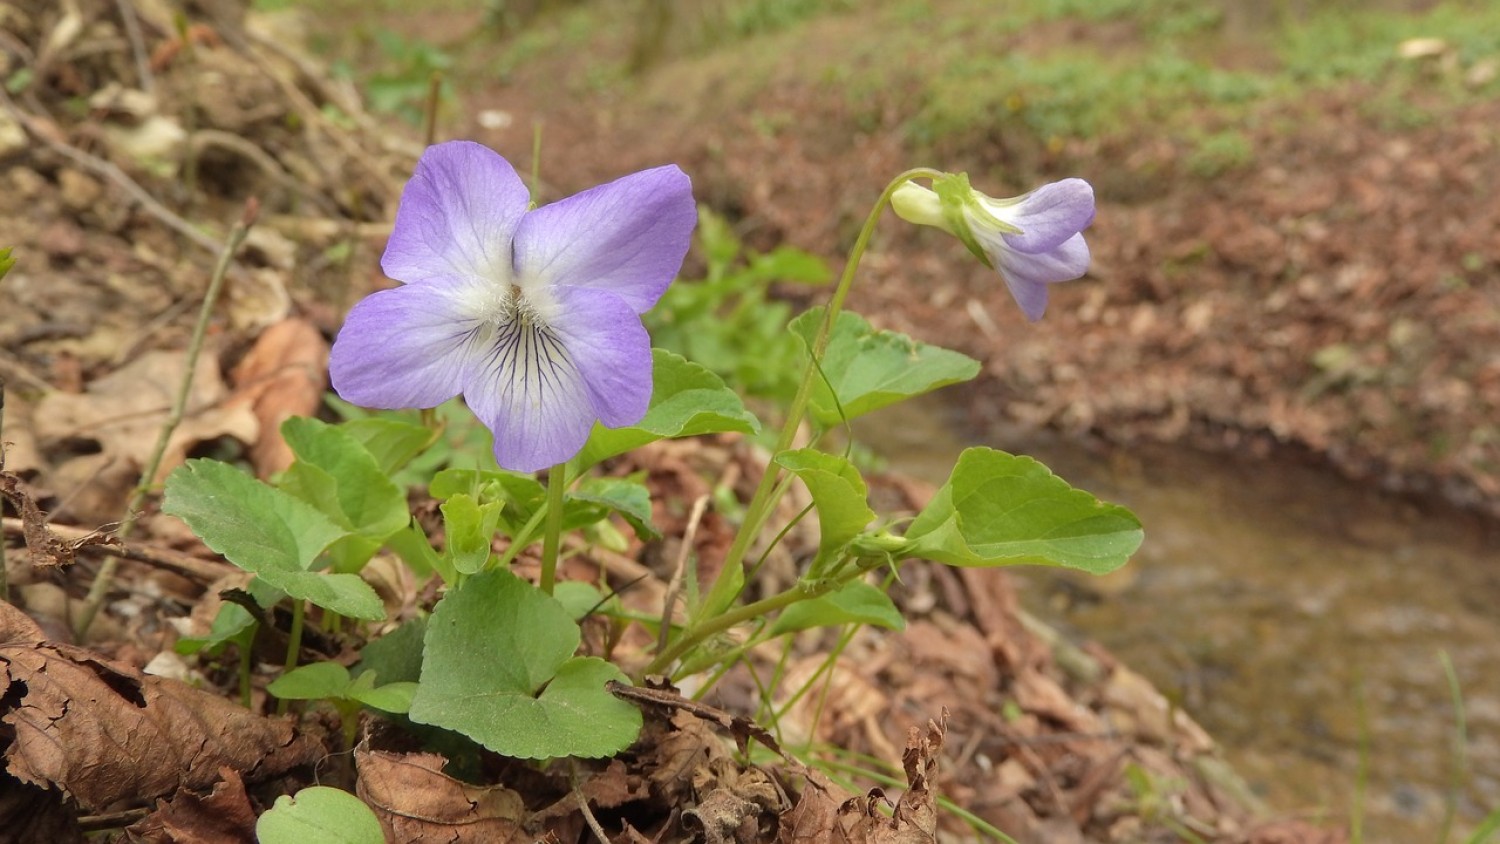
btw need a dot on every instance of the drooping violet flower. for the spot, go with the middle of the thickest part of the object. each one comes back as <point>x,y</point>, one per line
<point>532,315</point>
<point>1033,240</point>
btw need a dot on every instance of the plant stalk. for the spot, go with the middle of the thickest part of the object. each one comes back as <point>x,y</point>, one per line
<point>99,588</point>
<point>293,646</point>
<point>761,503</point>
<point>557,483</point>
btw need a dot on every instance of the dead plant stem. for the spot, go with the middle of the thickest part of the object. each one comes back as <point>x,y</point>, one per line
<point>99,589</point>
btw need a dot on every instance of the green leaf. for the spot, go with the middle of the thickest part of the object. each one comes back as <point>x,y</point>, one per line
<point>6,261</point>
<point>268,532</point>
<point>391,697</point>
<point>868,369</point>
<point>470,528</point>
<point>856,603</point>
<point>498,667</point>
<point>364,498</point>
<point>314,681</point>
<point>392,442</point>
<point>686,401</point>
<point>786,263</point>
<point>522,494</point>
<point>232,620</point>
<point>397,655</point>
<point>626,496</point>
<point>253,525</point>
<point>998,509</point>
<point>322,814</point>
<point>417,552</point>
<point>577,597</point>
<point>838,492</point>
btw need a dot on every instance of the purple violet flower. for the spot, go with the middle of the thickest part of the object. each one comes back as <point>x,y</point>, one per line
<point>1033,240</point>
<point>533,315</point>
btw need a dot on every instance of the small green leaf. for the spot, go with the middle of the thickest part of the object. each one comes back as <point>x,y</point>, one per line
<point>839,493</point>
<point>523,495</point>
<point>314,681</point>
<point>392,442</point>
<point>396,656</point>
<point>470,528</point>
<point>364,498</point>
<point>868,369</point>
<point>322,814</point>
<point>391,697</point>
<point>626,496</point>
<point>686,400</point>
<point>268,532</point>
<point>998,509</point>
<point>498,667</point>
<point>414,549</point>
<point>577,597</point>
<point>856,603</point>
<point>786,263</point>
<point>255,526</point>
<point>6,261</point>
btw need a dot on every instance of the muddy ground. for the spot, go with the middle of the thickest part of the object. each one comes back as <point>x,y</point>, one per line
<point>1338,297</point>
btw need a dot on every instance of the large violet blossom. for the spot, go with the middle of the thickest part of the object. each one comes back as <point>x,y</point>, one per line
<point>532,315</point>
<point>1033,240</point>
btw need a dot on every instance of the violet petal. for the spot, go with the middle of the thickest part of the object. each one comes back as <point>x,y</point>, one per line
<point>1027,276</point>
<point>527,390</point>
<point>1049,215</point>
<point>456,217</point>
<point>610,347</point>
<point>410,346</point>
<point>628,236</point>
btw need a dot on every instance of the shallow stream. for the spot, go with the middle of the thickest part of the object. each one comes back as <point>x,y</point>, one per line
<point>1296,615</point>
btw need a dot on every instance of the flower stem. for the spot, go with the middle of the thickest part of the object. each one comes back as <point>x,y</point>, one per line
<point>293,646</point>
<point>557,482</point>
<point>715,625</point>
<point>99,588</point>
<point>759,510</point>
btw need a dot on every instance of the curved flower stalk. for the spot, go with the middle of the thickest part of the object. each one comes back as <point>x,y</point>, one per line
<point>532,315</point>
<point>1033,240</point>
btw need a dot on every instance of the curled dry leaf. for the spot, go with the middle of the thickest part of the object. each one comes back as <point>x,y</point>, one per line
<point>225,816</point>
<point>417,803</point>
<point>99,731</point>
<point>284,375</point>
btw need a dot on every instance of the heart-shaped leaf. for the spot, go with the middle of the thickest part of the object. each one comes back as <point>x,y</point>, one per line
<point>866,369</point>
<point>498,667</point>
<point>998,509</point>
<point>322,814</point>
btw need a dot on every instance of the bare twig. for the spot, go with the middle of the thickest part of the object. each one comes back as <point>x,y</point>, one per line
<point>137,44</point>
<point>674,587</point>
<point>100,587</point>
<point>177,562</point>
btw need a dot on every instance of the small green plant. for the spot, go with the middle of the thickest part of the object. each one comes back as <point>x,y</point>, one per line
<point>533,315</point>
<point>728,321</point>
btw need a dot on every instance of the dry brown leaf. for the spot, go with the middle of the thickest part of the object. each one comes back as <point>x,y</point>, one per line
<point>284,375</point>
<point>124,411</point>
<point>225,816</point>
<point>914,818</point>
<point>417,803</point>
<point>100,731</point>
